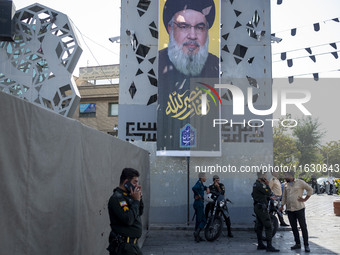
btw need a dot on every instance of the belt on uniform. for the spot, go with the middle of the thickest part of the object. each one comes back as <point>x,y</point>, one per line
<point>259,203</point>
<point>127,239</point>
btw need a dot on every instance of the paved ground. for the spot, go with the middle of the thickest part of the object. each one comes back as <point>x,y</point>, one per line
<point>323,227</point>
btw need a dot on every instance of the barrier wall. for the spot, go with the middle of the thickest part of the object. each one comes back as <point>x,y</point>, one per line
<point>56,177</point>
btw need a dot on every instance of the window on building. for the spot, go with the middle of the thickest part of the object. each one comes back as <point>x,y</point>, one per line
<point>113,109</point>
<point>87,110</point>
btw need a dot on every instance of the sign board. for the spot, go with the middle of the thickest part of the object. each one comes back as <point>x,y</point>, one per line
<point>99,72</point>
<point>83,108</point>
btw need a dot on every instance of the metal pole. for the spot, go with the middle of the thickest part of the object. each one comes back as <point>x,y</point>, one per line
<point>327,165</point>
<point>188,190</point>
<point>327,158</point>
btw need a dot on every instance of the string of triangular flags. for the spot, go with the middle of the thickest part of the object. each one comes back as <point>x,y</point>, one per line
<point>310,51</point>
<point>316,26</point>
<point>315,75</point>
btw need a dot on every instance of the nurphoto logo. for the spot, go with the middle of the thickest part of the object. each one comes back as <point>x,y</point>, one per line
<point>285,98</point>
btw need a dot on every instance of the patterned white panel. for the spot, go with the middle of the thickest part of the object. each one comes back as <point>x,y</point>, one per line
<point>38,65</point>
<point>245,53</point>
<point>138,58</point>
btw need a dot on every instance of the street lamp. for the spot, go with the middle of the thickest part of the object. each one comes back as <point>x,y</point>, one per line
<point>115,39</point>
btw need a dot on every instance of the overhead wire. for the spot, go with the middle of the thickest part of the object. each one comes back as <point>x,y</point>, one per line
<point>319,54</point>
<point>304,74</point>
<point>311,47</point>
<point>82,36</point>
<point>336,19</point>
<point>305,48</point>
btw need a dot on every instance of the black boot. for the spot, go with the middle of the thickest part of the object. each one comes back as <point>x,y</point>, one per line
<point>282,222</point>
<point>197,235</point>
<point>296,247</point>
<point>201,239</point>
<point>228,223</point>
<point>260,245</point>
<point>270,247</point>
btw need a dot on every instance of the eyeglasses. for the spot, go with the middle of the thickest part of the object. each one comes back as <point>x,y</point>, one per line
<point>185,27</point>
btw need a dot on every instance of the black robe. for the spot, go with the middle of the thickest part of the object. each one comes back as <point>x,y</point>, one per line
<point>171,80</point>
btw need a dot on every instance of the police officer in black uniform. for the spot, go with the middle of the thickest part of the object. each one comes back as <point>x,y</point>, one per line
<point>217,188</point>
<point>125,209</point>
<point>198,190</point>
<point>261,195</point>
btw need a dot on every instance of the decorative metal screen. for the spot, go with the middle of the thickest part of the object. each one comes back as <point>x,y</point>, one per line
<point>38,65</point>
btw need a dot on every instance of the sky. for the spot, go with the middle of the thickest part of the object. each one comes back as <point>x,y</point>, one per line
<point>302,14</point>
<point>96,22</point>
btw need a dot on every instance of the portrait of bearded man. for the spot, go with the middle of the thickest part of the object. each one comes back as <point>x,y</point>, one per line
<point>187,57</point>
<point>187,23</point>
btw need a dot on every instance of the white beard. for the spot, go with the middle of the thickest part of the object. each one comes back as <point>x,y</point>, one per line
<point>188,64</point>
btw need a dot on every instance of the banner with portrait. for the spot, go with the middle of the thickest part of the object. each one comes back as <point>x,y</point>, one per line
<point>188,69</point>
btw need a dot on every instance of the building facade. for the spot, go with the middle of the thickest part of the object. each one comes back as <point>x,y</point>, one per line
<point>98,107</point>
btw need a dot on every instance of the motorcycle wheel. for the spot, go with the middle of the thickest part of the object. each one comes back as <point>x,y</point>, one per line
<point>275,224</point>
<point>214,229</point>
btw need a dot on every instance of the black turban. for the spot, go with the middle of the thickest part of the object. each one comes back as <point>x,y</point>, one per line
<point>206,7</point>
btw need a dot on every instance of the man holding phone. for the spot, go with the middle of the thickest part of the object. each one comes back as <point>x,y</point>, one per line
<point>125,208</point>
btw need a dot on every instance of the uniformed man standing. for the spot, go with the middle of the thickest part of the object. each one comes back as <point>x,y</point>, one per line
<point>125,208</point>
<point>261,194</point>
<point>218,188</point>
<point>198,190</point>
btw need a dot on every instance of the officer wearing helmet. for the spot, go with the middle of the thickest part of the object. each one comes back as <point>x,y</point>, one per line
<point>218,188</point>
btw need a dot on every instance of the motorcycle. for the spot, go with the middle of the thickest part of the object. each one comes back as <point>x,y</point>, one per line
<point>273,209</point>
<point>213,228</point>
